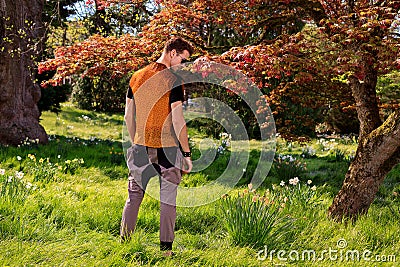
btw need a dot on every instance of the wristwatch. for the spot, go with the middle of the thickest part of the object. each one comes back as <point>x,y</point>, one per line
<point>187,154</point>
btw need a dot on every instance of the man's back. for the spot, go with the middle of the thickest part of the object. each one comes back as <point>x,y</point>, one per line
<point>151,87</point>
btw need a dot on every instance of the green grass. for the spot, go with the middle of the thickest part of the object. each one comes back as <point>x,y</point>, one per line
<point>73,220</point>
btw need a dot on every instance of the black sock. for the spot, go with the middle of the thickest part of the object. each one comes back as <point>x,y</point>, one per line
<point>165,245</point>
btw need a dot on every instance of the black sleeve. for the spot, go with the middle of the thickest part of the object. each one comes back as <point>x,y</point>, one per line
<point>177,92</point>
<point>129,93</point>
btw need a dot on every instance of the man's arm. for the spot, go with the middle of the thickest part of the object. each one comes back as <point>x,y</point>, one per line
<point>130,112</point>
<point>179,123</point>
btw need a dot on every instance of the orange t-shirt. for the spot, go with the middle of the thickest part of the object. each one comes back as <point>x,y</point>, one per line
<point>151,87</point>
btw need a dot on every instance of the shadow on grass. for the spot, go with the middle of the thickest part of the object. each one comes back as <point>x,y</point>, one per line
<point>331,173</point>
<point>323,171</point>
<point>77,115</point>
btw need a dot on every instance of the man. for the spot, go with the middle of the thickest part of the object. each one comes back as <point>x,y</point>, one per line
<point>157,128</point>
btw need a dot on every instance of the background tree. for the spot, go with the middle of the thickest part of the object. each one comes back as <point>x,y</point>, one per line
<point>360,41</point>
<point>58,31</point>
<point>388,90</point>
<point>21,33</point>
<point>365,33</point>
<point>101,90</point>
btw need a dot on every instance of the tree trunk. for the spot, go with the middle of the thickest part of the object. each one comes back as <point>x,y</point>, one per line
<point>376,156</point>
<point>377,153</point>
<point>366,101</point>
<point>21,33</point>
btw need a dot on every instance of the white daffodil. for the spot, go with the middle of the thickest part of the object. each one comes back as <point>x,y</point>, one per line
<point>294,181</point>
<point>28,185</point>
<point>19,175</point>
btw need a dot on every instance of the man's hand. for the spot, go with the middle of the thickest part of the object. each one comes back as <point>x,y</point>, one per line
<point>187,165</point>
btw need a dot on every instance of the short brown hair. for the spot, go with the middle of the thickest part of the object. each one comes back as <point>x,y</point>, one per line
<point>179,44</point>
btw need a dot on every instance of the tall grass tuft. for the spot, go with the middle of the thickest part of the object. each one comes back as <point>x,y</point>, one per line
<point>393,205</point>
<point>254,220</point>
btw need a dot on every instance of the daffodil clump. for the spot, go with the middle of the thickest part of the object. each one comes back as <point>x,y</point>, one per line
<point>116,157</point>
<point>255,220</point>
<point>71,166</point>
<point>44,170</point>
<point>288,166</point>
<point>13,186</point>
<point>224,143</point>
<point>299,194</point>
<point>308,152</point>
<point>41,169</point>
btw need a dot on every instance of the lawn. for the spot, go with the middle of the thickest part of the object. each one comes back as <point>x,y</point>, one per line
<point>61,205</point>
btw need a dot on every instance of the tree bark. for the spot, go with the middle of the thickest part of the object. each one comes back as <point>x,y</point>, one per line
<point>21,30</point>
<point>377,153</point>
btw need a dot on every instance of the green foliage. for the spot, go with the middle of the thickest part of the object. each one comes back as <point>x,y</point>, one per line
<point>206,126</point>
<point>388,90</point>
<point>53,96</point>
<point>82,94</point>
<point>342,122</point>
<point>193,180</point>
<point>297,119</point>
<point>101,94</point>
<point>235,102</point>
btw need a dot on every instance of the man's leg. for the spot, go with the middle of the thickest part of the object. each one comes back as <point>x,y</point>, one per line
<point>170,179</point>
<point>141,170</point>
<point>131,209</point>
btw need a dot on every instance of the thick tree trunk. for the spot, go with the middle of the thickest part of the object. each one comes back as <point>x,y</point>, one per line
<point>21,32</point>
<point>377,153</point>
